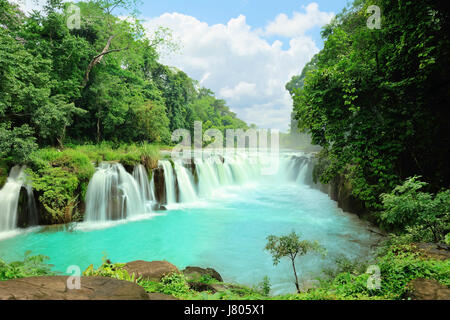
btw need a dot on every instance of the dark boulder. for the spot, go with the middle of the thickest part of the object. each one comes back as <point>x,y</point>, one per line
<point>55,288</point>
<point>27,214</point>
<point>160,185</point>
<point>195,273</point>
<point>434,251</point>
<point>426,289</point>
<point>153,271</point>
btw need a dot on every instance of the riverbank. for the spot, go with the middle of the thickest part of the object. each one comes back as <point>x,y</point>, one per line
<point>417,271</point>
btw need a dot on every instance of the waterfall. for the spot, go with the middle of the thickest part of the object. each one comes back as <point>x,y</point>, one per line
<point>169,181</point>
<point>185,184</point>
<point>114,194</point>
<point>15,213</point>
<point>145,185</point>
<point>207,177</point>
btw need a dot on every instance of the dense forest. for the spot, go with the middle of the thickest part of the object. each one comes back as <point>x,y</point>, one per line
<point>377,100</point>
<point>99,82</point>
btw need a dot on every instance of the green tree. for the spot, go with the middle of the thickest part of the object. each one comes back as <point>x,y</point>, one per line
<point>290,246</point>
<point>408,208</point>
<point>375,99</point>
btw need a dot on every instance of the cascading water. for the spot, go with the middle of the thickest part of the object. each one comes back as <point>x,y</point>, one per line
<point>243,207</point>
<point>169,180</point>
<point>10,194</point>
<point>145,185</point>
<point>114,194</point>
<point>185,183</point>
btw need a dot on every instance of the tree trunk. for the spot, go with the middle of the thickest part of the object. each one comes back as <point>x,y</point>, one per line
<point>99,58</point>
<point>295,273</point>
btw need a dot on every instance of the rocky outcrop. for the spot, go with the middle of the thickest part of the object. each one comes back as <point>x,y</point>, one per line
<point>55,288</point>
<point>195,273</point>
<point>160,186</point>
<point>27,214</point>
<point>340,190</point>
<point>153,271</point>
<point>426,289</point>
<point>434,251</point>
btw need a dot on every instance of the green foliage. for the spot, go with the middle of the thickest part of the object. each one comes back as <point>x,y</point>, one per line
<point>31,266</point>
<point>56,188</point>
<point>376,99</point>
<point>57,89</point>
<point>264,286</point>
<point>290,246</point>
<point>109,270</point>
<point>3,173</point>
<point>424,216</point>
<point>399,264</point>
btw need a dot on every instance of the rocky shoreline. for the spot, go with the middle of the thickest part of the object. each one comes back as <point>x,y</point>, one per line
<point>104,288</point>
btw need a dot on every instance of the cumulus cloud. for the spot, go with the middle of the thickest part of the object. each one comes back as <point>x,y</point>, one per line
<point>299,23</point>
<point>28,6</point>
<point>241,64</point>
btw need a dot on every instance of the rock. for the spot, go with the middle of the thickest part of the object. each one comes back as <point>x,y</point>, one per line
<point>200,286</point>
<point>434,251</point>
<point>309,285</point>
<point>160,186</point>
<point>340,190</point>
<point>158,207</point>
<point>218,287</point>
<point>161,297</point>
<point>195,273</point>
<point>55,288</point>
<point>153,271</point>
<point>27,215</point>
<point>426,289</point>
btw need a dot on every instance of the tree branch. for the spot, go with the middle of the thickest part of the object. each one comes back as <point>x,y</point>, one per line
<point>97,59</point>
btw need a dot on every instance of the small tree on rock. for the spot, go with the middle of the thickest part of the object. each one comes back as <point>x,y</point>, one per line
<point>291,246</point>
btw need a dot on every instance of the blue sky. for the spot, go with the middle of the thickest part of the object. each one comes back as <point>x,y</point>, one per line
<point>258,12</point>
<point>244,50</point>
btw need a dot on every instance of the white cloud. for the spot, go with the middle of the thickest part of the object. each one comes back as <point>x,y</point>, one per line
<point>28,6</point>
<point>241,65</point>
<point>299,23</point>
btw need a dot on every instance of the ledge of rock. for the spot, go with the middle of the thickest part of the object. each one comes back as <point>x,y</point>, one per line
<point>434,251</point>
<point>426,289</point>
<point>195,273</point>
<point>153,271</point>
<point>55,288</point>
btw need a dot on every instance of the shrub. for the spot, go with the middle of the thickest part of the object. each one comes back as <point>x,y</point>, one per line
<point>30,266</point>
<point>56,188</point>
<point>426,216</point>
<point>291,247</point>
